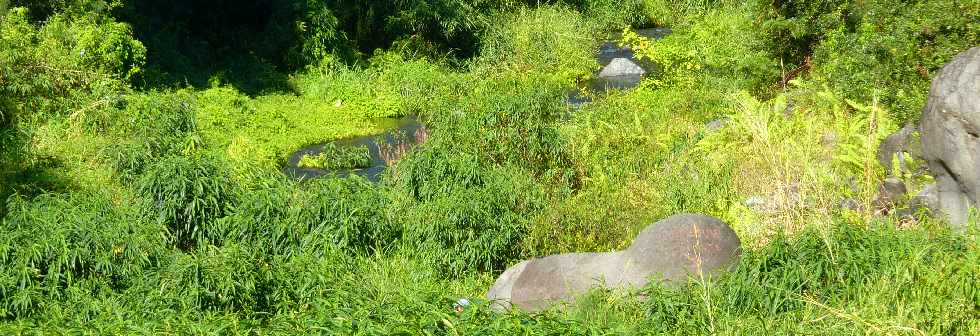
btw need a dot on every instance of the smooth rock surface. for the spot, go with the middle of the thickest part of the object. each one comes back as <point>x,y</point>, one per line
<point>671,251</point>
<point>622,67</point>
<point>951,135</point>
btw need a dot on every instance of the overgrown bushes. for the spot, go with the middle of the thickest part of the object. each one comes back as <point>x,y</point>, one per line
<point>527,42</point>
<point>165,211</point>
<point>282,217</point>
<point>188,195</point>
<point>63,58</point>
<point>464,213</point>
<point>886,49</point>
<point>51,68</point>
<point>53,246</point>
<point>148,127</point>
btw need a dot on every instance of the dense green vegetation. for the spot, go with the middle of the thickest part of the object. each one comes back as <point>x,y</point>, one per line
<point>337,157</point>
<point>141,144</point>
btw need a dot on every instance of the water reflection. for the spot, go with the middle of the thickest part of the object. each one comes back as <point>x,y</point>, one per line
<point>385,149</point>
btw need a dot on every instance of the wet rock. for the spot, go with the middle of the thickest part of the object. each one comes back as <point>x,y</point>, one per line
<point>951,136</point>
<point>622,67</point>
<point>670,251</point>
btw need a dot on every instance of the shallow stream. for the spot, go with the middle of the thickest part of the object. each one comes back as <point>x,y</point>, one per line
<point>402,135</point>
<point>610,50</point>
<point>385,148</point>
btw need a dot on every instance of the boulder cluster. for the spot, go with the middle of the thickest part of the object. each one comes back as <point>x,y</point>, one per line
<point>687,246</point>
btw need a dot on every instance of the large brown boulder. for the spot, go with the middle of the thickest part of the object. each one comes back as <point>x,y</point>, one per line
<point>951,135</point>
<point>670,251</point>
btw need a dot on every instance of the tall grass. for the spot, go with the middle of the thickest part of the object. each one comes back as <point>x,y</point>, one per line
<point>166,212</point>
<point>56,246</point>
<point>188,194</point>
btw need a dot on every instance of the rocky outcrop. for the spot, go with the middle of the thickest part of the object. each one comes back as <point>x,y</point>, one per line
<point>951,135</point>
<point>670,251</point>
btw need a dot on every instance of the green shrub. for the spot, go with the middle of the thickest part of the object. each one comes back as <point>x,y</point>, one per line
<point>148,127</point>
<point>465,215</point>
<point>54,245</point>
<point>672,13</point>
<point>546,40</point>
<point>887,49</point>
<point>43,9</point>
<point>188,195</point>
<point>614,14</point>
<point>325,214</point>
<point>719,46</point>
<point>510,120</point>
<point>43,76</point>
<point>111,49</point>
<point>61,64</point>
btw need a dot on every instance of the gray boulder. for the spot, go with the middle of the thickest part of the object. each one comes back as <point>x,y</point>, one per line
<point>895,146</point>
<point>951,136</point>
<point>622,67</point>
<point>927,199</point>
<point>670,251</point>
